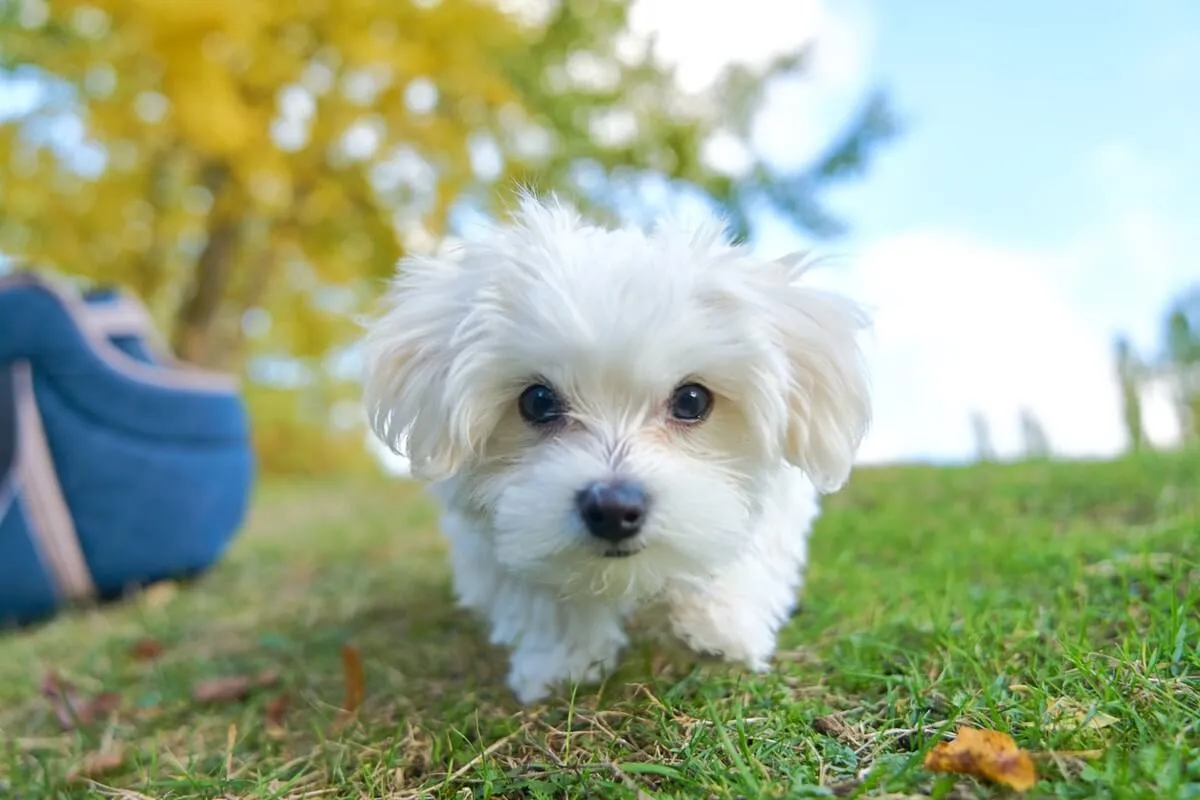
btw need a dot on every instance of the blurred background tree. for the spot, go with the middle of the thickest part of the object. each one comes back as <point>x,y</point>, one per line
<point>1175,368</point>
<point>1129,380</point>
<point>1181,357</point>
<point>981,435</point>
<point>1035,444</point>
<point>252,169</point>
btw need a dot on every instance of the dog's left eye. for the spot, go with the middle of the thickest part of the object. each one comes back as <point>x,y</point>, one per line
<point>691,403</point>
<point>539,405</point>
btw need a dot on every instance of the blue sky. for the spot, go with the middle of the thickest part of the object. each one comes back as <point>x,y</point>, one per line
<point>1043,197</point>
<point>1008,104</point>
<point>1034,123</point>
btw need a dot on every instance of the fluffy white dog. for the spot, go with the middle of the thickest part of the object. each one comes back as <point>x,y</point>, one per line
<point>617,421</point>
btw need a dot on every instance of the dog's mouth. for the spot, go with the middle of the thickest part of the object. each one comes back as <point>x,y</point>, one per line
<point>617,552</point>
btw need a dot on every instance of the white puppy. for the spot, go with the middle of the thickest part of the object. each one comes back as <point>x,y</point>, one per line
<point>619,421</point>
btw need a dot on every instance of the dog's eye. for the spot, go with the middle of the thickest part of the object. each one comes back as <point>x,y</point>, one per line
<point>691,403</point>
<point>539,405</point>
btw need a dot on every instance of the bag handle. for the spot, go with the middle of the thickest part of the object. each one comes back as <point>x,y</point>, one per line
<point>120,316</point>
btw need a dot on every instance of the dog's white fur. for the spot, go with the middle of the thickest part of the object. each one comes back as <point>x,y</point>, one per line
<point>615,320</point>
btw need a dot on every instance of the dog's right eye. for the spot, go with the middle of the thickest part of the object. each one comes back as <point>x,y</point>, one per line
<point>539,405</point>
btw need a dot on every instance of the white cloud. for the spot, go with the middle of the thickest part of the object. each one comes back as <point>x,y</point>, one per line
<point>803,113</point>
<point>964,326</point>
<point>700,39</point>
<point>799,114</point>
<point>1160,416</point>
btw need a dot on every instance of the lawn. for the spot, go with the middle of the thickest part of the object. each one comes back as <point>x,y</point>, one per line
<point>1058,603</point>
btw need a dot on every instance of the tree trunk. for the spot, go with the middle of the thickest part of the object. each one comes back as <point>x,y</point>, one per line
<point>263,251</point>
<point>149,270</point>
<point>192,339</point>
<point>233,343</point>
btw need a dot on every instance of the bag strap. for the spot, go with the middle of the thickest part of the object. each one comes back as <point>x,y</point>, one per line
<point>8,427</point>
<point>50,523</point>
<point>120,316</point>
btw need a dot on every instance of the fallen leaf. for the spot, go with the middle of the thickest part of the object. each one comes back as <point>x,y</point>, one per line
<point>146,649</point>
<point>233,687</point>
<point>99,705</point>
<point>73,709</point>
<point>274,714</point>
<point>356,687</point>
<point>833,725</point>
<point>356,682</point>
<point>99,763</point>
<point>985,754</point>
<point>276,708</point>
<point>1063,712</point>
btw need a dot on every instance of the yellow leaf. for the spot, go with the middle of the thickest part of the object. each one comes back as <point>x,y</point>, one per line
<point>991,755</point>
<point>1065,713</point>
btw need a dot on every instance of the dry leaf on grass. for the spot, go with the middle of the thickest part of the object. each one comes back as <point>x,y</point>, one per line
<point>73,709</point>
<point>276,708</point>
<point>274,713</point>
<point>356,686</point>
<point>146,649</point>
<point>99,763</point>
<point>991,755</point>
<point>356,681</point>
<point>1065,713</point>
<point>232,688</point>
<point>836,726</point>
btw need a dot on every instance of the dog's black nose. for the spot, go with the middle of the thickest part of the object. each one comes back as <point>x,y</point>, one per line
<point>613,510</point>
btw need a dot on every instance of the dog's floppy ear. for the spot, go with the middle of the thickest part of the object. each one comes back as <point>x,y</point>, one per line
<point>827,392</point>
<point>415,358</point>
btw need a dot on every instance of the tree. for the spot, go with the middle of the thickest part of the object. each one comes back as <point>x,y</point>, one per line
<point>1129,379</point>
<point>254,168</point>
<point>1034,442</point>
<point>1181,357</point>
<point>982,435</point>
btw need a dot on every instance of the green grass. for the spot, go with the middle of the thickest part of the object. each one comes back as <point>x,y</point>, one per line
<point>986,596</point>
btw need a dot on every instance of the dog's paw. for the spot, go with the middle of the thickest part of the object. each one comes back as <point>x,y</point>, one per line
<point>534,676</point>
<point>528,690</point>
<point>724,633</point>
<point>754,658</point>
<point>534,686</point>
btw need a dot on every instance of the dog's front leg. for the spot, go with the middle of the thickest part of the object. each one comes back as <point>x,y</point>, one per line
<point>553,641</point>
<point>739,614</point>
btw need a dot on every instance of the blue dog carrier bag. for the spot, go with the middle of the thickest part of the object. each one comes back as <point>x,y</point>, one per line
<point>119,466</point>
